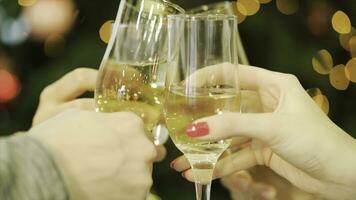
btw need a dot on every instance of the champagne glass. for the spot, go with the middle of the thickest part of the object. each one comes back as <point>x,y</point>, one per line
<point>224,7</point>
<point>202,80</point>
<point>132,72</point>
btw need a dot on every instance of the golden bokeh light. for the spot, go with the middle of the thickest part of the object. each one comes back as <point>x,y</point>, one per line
<point>352,45</point>
<point>314,92</point>
<point>323,102</point>
<point>326,105</point>
<point>264,1</point>
<point>287,7</point>
<point>323,62</point>
<point>341,22</point>
<point>338,78</point>
<point>345,39</point>
<point>105,31</point>
<point>350,70</point>
<point>320,99</point>
<point>248,7</point>
<point>47,17</point>
<point>241,9</point>
<point>54,45</point>
<point>240,17</point>
<point>26,3</point>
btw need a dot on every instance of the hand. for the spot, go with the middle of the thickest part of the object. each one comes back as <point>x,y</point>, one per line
<point>262,183</point>
<point>242,186</point>
<point>63,94</point>
<point>300,142</point>
<point>102,155</point>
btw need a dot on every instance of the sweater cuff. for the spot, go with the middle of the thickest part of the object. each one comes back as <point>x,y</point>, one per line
<point>28,171</point>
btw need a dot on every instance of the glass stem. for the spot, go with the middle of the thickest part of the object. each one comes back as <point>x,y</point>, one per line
<point>203,173</point>
<point>202,191</point>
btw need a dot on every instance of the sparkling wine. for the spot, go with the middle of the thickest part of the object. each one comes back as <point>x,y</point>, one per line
<point>133,88</point>
<point>181,109</point>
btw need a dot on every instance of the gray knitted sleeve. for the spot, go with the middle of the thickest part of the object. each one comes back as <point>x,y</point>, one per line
<point>28,172</point>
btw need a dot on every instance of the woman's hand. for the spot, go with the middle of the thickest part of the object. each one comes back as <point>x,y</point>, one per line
<point>299,142</point>
<point>102,155</point>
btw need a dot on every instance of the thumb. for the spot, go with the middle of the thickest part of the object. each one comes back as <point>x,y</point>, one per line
<point>263,126</point>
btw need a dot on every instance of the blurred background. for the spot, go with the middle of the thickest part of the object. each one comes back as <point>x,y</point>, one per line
<point>41,40</point>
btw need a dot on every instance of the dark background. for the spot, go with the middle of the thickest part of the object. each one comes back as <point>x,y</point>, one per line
<point>272,40</point>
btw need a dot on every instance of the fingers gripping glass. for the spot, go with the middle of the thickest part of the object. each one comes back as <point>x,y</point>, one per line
<point>202,80</point>
<point>131,76</point>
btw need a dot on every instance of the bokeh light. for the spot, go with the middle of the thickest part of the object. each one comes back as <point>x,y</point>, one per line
<point>318,18</point>
<point>248,7</point>
<point>54,45</point>
<point>350,70</point>
<point>341,22</point>
<point>314,92</point>
<point>345,38</point>
<point>287,7</point>
<point>338,78</point>
<point>9,86</point>
<point>26,3</point>
<point>320,99</point>
<point>47,17</point>
<point>14,31</point>
<point>264,1</point>
<point>105,31</point>
<point>352,45</point>
<point>323,62</point>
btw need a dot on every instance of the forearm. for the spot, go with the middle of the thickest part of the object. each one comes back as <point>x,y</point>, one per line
<point>27,171</point>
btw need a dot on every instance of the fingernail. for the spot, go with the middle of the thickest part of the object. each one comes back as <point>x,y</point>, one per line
<point>197,130</point>
<point>268,194</point>
<point>173,163</point>
<point>183,174</point>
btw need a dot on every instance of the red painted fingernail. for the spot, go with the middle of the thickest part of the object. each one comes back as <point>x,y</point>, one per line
<point>197,130</point>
